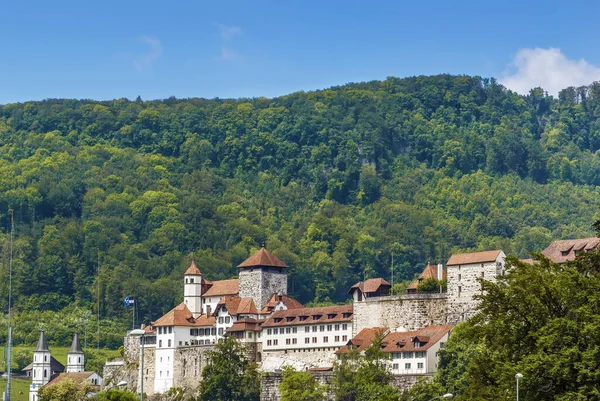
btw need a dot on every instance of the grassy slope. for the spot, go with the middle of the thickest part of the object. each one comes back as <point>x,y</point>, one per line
<point>20,389</point>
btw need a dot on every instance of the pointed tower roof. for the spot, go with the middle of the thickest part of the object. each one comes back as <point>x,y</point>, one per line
<point>76,345</point>
<point>42,344</point>
<point>192,270</point>
<point>262,258</point>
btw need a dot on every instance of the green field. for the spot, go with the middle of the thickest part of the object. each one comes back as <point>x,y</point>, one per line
<point>20,389</point>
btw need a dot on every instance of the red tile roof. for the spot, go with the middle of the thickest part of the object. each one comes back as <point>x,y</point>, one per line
<point>325,315</point>
<point>289,302</point>
<point>246,324</point>
<point>77,377</point>
<point>247,306</point>
<point>223,287</point>
<point>262,258</point>
<point>178,316</point>
<point>405,341</point>
<point>362,340</point>
<point>564,250</point>
<point>192,270</point>
<point>473,257</point>
<point>430,271</point>
<point>370,285</point>
<point>181,316</point>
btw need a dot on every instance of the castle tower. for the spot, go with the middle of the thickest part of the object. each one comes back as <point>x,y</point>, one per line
<point>261,276</point>
<point>192,289</point>
<point>41,369</point>
<point>75,357</point>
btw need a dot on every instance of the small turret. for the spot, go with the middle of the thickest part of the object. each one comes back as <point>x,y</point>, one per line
<point>75,356</point>
<point>192,289</point>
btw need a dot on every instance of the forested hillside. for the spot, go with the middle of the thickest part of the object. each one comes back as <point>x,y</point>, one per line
<point>333,181</point>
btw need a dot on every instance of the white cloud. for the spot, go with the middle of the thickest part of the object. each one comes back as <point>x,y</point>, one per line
<point>228,55</point>
<point>549,69</point>
<point>227,32</point>
<point>147,59</point>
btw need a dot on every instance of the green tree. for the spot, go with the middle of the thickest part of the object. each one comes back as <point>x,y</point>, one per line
<point>364,377</point>
<point>229,375</point>
<point>300,386</point>
<point>65,390</point>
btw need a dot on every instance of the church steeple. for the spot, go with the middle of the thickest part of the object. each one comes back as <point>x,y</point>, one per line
<point>75,356</point>
<point>42,368</point>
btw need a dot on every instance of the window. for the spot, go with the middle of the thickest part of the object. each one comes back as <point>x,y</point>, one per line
<point>314,340</point>
<point>314,328</point>
<point>344,338</point>
<point>213,331</point>
<point>45,358</point>
<point>329,327</point>
<point>325,339</point>
<point>192,332</point>
<point>45,373</point>
<point>459,277</point>
<point>420,354</point>
<point>249,334</point>
<point>337,338</point>
<point>294,341</point>
<point>294,329</point>
<point>288,330</point>
<point>275,331</point>
<point>306,340</point>
<point>344,326</point>
<point>303,318</point>
<point>227,319</point>
<point>307,329</point>
<point>459,290</point>
<point>418,344</point>
<point>170,329</point>
<point>275,342</point>
<point>395,366</point>
<point>169,343</point>
<point>192,280</point>
<point>420,365</point>
<point>160,373</point>
<point>269,331</point>
<point>220,331</point>
<point>407,366</point>
<point>180,343</point>
<point>442,345</point>
<point>407,355</point>
<point>337,327</point>
<point>159,343</point>
<point>288,341</point>
<point>346,314</point>
<point>221,320</point>
<point>269,342</point>
<point>321,328</point>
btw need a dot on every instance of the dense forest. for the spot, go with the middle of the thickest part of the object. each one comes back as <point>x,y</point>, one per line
<point>333,182</point>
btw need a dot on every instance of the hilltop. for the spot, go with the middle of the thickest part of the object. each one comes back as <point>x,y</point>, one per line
<point>333,181</point>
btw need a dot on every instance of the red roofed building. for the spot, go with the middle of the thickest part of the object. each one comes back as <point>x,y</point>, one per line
<point>373,287</point>
<point>261,276</point>
<point>566,250</point>
<point>430,271</point>
<point>411,352</point>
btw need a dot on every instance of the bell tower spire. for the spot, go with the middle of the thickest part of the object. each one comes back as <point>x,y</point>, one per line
<point>75,356</point>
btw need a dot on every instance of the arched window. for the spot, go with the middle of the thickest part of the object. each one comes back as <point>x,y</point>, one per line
<point>79,360</point>
<point>45,373</point>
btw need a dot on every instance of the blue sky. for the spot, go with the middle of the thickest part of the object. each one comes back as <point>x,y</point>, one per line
<point>187,48</point>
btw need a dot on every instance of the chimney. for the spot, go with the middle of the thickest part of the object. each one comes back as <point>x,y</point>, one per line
<point>208,311</point>
<point>279,296</point>
<point>440,272</point>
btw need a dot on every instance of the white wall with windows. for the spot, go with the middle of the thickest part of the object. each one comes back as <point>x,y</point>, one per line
<point>320,335</point>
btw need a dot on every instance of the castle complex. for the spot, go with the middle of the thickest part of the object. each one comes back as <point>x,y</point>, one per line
<point>280,331</point>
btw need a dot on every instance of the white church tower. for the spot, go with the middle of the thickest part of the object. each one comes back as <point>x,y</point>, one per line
<point>192,289</point>
<point>75,357</point>
<point>41,369</point>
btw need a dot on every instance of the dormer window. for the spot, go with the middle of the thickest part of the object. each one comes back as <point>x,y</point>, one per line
<point>303,318</point>
<point>277,320</point>
<point>346,314</point>
<point>331,315</point>
<point>290,318</point>
<point>564,253</point>
<point>316,317</point>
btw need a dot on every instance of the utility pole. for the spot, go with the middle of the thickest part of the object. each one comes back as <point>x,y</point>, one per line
<point>9,348</point>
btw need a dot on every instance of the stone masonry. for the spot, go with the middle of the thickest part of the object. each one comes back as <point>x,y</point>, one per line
<point>261,283</point>
<point>406,312</point>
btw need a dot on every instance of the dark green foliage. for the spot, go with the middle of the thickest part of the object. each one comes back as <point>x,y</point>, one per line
<point>430,285</point>
<point>229,376</point>
<point>331,180</point>
<point>115,395</point>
